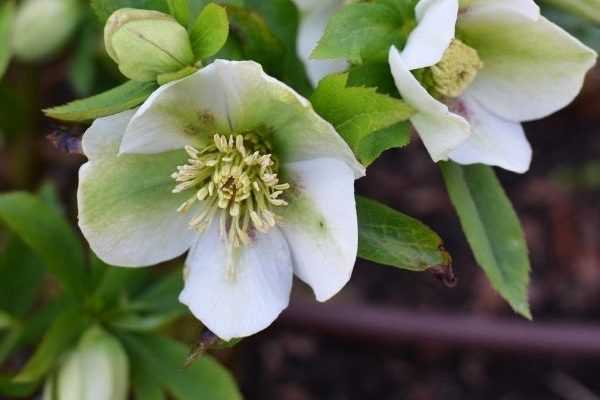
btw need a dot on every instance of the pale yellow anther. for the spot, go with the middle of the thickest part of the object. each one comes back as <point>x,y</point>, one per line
<point>236,180</point>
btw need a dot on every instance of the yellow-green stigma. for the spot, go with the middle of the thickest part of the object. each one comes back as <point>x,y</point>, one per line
<point>457,69</point>
<point>236,180</point>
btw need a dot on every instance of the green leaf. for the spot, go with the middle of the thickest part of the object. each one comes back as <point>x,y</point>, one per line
<point>492,229</point>
<point>180,9</point>
<point>376,75</point>
<point>10,388</point>
<point>104,8</point>
<point>282,18</point>
<point>365,31</point>
<point>204,379</point>
<point>388,237</point>
<point>49,236</point>
<point>6,320</point>
<point>121,98</point>
<point>7,11</point>
<point>144,385</point>
<point>20,275</point>
<point>62,334</point>
<point>589,9</point>
<point>359,112</point>
<point>209,32</point>
<point>256,40</point>
<point>162,296</point>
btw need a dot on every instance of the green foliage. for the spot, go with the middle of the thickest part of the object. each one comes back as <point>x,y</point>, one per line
<point>21,273</point>
<point>65,330</point>
<point>389,237</point>
<point>365,31</point>
<point>49,236</point>
<point>180,9</point>
<point>160,361</point>
<point>492,229</point>
<point>209,32</point>
<point>121,98</point>
<point>104,8</point>
<point>589,9</point>
<point>7,11</point>
<point>255,40</point>
<point>282,18</point>
<point>367,120</point>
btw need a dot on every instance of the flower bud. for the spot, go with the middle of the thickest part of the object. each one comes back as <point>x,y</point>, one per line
<point>147,44</point>
<point>97,369</point>
<point>42,27</point>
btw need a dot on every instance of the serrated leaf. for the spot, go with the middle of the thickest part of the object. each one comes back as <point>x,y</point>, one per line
<point>388,237</point>
<point>49,236</point>
<point>209,32</point>
<point>180,9</point>
<point>7,11</point>
<point>121,98</point>
<point>204,379</point>
<point>359,112</point>
<point>365,31</point>
<point>104,8</point>
<point>492,228</point>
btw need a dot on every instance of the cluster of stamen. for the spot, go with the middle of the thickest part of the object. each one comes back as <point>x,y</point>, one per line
<point>234,179</point>
<point>457,69</point>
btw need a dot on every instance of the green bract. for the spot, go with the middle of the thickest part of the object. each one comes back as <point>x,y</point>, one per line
<point>97,369</point>
<point>42,27</point>
<point>147,44</point>
<point>237,168</point>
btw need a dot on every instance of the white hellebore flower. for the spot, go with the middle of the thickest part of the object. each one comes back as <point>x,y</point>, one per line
<point>490,65</point>
<point>314,16</point>
<point>237,168</point>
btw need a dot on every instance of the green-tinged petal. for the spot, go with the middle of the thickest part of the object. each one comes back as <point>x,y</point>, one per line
<point>494,140</point>
<point>527,8</point>
<point>242,298</point>
<point>127,211</point>
<point>103,138</point>
<point>441,130</point>
<point>432,36</point>
<point>320,223</point>
<point>531,67</point>
<point>234,97</point>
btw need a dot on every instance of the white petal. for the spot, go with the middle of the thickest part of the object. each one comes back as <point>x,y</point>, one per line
<point>312,27</point>
<point>127,212</point>
<point>320,224</point>
<point>531,68</point>
<point>440,130</point>
<point>103,138</point>
<point>494,141</point>
<point>526,8</point>
<point>234,97</point>
<point>426,44</point>
<point>240,307</point>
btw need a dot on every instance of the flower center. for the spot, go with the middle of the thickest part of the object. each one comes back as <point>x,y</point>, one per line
<point>457,69</point>
<point>236,179</point>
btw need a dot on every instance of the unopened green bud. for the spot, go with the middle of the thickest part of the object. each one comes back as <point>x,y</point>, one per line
<point>147,44</point>
<point>42,27</point>
<point>97,369</point>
